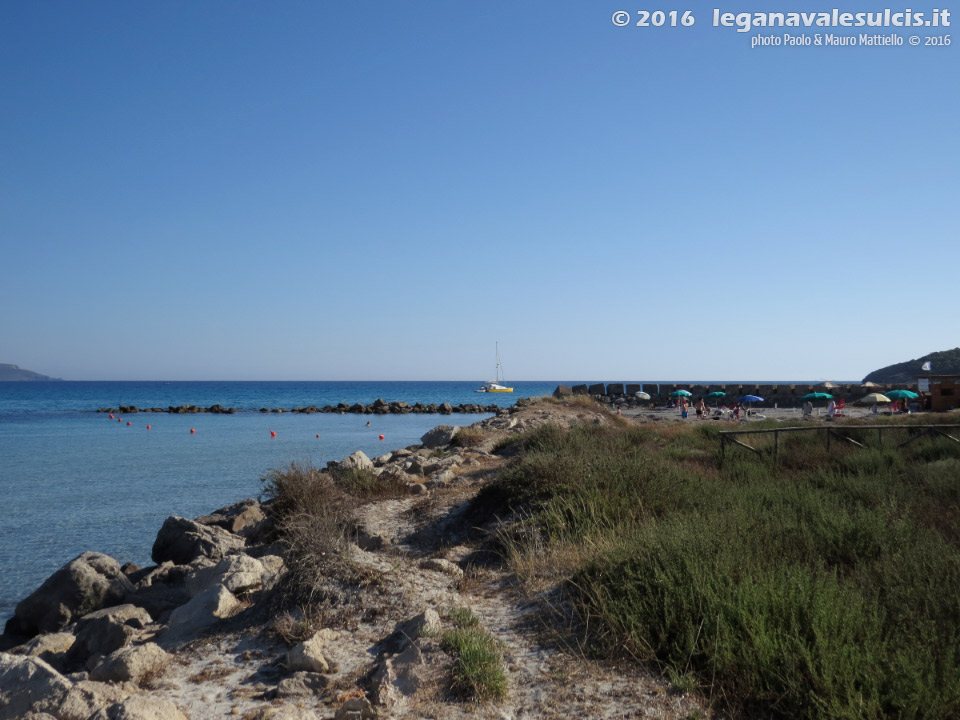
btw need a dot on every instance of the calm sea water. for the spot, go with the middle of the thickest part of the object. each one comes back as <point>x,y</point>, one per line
<point>74,480</point>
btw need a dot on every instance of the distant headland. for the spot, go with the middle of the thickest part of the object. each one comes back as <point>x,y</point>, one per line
<point>13,373</point>
<point>944,362</point>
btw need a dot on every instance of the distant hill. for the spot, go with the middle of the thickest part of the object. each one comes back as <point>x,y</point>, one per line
<point>13,373</point>
<point>945,362</point>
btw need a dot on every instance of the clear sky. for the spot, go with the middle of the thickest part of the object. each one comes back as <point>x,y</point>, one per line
<point>326,190</point>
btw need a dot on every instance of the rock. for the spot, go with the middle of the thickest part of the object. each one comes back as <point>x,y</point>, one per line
<point>403,675</point>
<point>615,389</point>
<point>47,647</point>
<point>444,566</point>
<point>302,684</point>
<point>439,436</point>
<point>87,697</point>
<point>237,573</point>
<point>445,477</point>
<point>200,613</point>
<point>425,624</point>
<point>273,565</point>
<point>356,709</point>
<point>308,656</point>
<point>87,583</point>
<point>246,519</point>
<point>160,589</point>
<point>357,460</point>
<point>181,541</point>
<point>140,707</point>
<point>28,683</point>
<point>133,664</point>
<point>445,408</point>
<point>103,631</point>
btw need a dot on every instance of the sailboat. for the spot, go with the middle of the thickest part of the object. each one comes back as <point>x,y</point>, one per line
<point>496,386</point>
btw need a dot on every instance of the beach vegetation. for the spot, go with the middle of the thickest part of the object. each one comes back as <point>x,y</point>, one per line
<point>478,671</point>
<point>817,583</point>
<point>315,512</point>
<point>469,437</point>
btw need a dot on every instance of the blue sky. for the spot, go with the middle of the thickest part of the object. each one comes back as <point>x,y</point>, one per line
<point>383,190</point>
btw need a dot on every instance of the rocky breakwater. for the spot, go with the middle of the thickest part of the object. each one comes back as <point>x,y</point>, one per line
<point>99,640</point>
<point>377,407</point>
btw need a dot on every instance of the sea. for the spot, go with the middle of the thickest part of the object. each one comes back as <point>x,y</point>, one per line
<point>72,479</point>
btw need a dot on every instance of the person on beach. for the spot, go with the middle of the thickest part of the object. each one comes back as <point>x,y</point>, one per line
<point>807,409</point>
<point>831,408</point>
<point>700,409</point>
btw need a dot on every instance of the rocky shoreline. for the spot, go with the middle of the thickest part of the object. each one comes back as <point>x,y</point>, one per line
<point>203,633</point>
<point>377,407</point>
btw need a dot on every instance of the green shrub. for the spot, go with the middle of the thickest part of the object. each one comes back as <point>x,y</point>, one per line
<point>478,672</point>
<point>820,586</point>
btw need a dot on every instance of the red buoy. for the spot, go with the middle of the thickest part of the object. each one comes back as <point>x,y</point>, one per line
<point>111,416</point>
<point>129,423</point>
<point>273,433</point>
<point>148,427</point>
<point>318,434</point>
<point>192,430</point>
<point>381,437</point>
<point>119,419</point>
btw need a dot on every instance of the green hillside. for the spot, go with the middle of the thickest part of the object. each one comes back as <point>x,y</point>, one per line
<point>944,362</point>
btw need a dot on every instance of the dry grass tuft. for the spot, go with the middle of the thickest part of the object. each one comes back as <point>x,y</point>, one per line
<point>469,437</point>
<point>214,671</point>
<point>152,677</point>
<point>298,626</point>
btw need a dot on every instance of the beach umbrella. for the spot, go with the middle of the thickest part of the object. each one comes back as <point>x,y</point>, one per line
<point>901,394</point>
<point>640,395</point>
<point>873,398</point>
<point>681,393</point>
<point>817,396</point>
<point>716,394</point>
<point>750,399</point>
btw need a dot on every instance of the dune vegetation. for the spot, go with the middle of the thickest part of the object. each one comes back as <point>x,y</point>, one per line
<point>819,583</point>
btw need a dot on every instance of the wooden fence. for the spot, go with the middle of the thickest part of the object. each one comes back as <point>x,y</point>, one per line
<point>837,432</point>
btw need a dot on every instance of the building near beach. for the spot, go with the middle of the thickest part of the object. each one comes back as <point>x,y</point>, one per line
<point>943,391</point>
